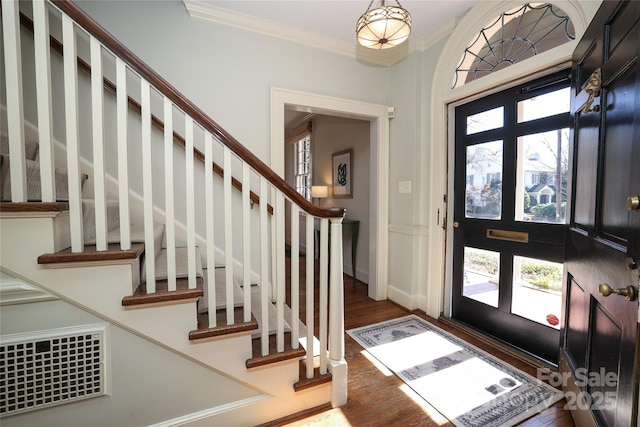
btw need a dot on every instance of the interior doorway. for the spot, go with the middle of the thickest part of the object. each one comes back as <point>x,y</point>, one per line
<point>376,115</point>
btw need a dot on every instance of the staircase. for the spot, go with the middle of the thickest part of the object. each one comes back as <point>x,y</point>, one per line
<point>150,216</point>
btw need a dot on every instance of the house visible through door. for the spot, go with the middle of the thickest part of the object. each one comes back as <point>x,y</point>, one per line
<point>510,198</point>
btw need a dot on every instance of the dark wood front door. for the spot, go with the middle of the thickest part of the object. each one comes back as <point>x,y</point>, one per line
<point>600,320</point>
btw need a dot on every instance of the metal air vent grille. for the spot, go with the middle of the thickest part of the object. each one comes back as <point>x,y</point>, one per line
<point>51,367</point>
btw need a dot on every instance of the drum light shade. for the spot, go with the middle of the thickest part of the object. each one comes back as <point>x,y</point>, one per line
<point>384,26</point>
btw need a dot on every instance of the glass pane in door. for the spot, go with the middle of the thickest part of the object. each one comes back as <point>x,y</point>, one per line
<point>484,180</point>
<point>547,105</point>
<point>481,275</point>
<point>541,180</point>
<point>486,120</point>
<point>537,290</point>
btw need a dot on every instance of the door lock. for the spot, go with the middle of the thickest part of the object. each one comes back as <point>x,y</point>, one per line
<point>631,263</point>
<point>456,224</point>
<point>633,203</point>
<point>629,292</point>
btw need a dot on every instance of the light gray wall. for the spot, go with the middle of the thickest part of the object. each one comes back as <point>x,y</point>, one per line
<point>229,72</point>
<point>410,94</point>
<point>149,384</point>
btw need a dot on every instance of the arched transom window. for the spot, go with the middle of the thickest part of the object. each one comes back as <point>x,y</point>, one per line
<point>514,36</point>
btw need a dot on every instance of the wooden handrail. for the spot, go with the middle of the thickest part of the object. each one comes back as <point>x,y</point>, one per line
<point>167,90</point>
<point>134,105</point>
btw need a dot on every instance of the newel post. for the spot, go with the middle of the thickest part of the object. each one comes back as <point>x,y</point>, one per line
<point>337,363</point>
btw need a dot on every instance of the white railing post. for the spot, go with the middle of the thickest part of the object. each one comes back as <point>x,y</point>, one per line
<point>15,112</point>
<point>72,132</point>
<point>43,91</point>
<point>337,363</point>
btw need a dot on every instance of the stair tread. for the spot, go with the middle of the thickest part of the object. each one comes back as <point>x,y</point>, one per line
<point>90,253</point>
<point>34,207</point>
<point>305,383</point>
<point>274,356</point>
<point>204,331</point>
<point>163,294</point>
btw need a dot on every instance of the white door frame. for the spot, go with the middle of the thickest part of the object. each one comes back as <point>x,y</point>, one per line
<point>376,115</point>
<point>440,258</point>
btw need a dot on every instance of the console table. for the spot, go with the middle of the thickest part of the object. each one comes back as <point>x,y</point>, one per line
<point>350,227</point>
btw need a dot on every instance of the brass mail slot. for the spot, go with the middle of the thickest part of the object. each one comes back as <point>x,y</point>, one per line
<point>512,236</point>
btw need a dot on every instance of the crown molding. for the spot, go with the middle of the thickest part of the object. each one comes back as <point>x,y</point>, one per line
<point>207,12</point>
<point>386,58</point>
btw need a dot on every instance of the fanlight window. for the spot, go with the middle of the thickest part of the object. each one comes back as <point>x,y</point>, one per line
<point>513,37</point>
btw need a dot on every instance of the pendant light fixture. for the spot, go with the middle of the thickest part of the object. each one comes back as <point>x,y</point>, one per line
<point>384,26</point>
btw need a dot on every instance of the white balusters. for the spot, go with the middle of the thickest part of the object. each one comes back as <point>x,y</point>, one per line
<point>246,240</point>
<point>97,125</point>
<point>123,156</point>
<point>269,236</point>
<point>228,235</point>
<point>15,113</point>
<point>310,288</point>
<point>71,121</point>
<point>295,275</point>
<point>191,202</point>
<point>264,267</point>
<point>210,212</point>
<point>170,228</point>
<point>280,272</point>
<point>43,91</point>
<point>147,185</point>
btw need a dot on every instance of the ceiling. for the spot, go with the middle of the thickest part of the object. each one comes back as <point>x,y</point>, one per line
<point>337,19</point>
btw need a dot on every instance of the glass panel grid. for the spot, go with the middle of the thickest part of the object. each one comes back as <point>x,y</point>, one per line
<point>537,290</point>
<point>481,275</point>
<point>542,173</point>
<point>547,105</point>
<point>483,198</point>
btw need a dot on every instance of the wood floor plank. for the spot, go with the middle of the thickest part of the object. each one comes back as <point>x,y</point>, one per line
<point>377,397</point>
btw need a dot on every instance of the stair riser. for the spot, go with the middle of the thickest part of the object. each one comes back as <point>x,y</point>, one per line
<point>28,238</point>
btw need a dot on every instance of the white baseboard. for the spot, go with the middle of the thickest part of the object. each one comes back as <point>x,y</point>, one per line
<point>402,298</point>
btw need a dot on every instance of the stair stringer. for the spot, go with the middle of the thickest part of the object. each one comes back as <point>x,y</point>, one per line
<point>99,288</point>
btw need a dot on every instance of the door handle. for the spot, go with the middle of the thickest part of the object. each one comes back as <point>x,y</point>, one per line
<point>633,203</point>
<point>629,292</point>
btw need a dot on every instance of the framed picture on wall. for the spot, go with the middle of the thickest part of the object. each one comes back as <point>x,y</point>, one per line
<point>342,171</point>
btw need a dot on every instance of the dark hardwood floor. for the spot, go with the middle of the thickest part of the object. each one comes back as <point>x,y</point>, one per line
<point>379,398</point>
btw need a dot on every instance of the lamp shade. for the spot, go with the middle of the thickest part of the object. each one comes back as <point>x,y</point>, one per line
<point>319,191</point>
<point>383,27</point>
